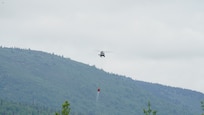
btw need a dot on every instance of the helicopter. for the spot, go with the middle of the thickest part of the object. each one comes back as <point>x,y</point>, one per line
<point>101,54</point>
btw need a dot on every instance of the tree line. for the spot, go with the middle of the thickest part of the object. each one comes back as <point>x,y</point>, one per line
<point>66,109</point>
<point>8,108</point>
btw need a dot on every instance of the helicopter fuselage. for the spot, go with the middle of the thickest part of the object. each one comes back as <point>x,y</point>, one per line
<point>102,54</point>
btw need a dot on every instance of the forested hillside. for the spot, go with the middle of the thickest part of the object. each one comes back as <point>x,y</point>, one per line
<point>13,108</point>
<point>43,79</point>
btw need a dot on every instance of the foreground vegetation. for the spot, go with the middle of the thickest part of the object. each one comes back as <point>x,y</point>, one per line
<point>65,109</point>
<point>11,108</point>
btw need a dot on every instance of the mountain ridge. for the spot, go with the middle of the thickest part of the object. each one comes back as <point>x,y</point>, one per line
<point>47,79</point>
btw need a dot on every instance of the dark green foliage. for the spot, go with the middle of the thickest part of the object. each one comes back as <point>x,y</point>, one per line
<point>65,109</point>
<point>149,110</point>
<point>46,80</point>
<point>13,108</point>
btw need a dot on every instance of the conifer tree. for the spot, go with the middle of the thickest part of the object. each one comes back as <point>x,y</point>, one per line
<point>149,110</point>
<point>65,109</point>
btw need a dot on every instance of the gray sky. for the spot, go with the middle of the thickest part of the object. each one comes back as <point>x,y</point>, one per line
<point>160,41</point>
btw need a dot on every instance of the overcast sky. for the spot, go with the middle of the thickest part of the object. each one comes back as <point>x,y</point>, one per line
<point>158,41</point>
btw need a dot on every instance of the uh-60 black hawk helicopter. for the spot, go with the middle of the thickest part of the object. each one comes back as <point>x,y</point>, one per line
<point>102,54</point>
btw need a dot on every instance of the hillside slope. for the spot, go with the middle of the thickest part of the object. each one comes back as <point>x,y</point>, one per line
<point>11,108</point>
<point>48,80</point>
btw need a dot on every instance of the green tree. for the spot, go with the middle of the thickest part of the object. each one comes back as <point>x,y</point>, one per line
<point>149,110</point>
<point>57,113</point>
<point>65,109</point>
